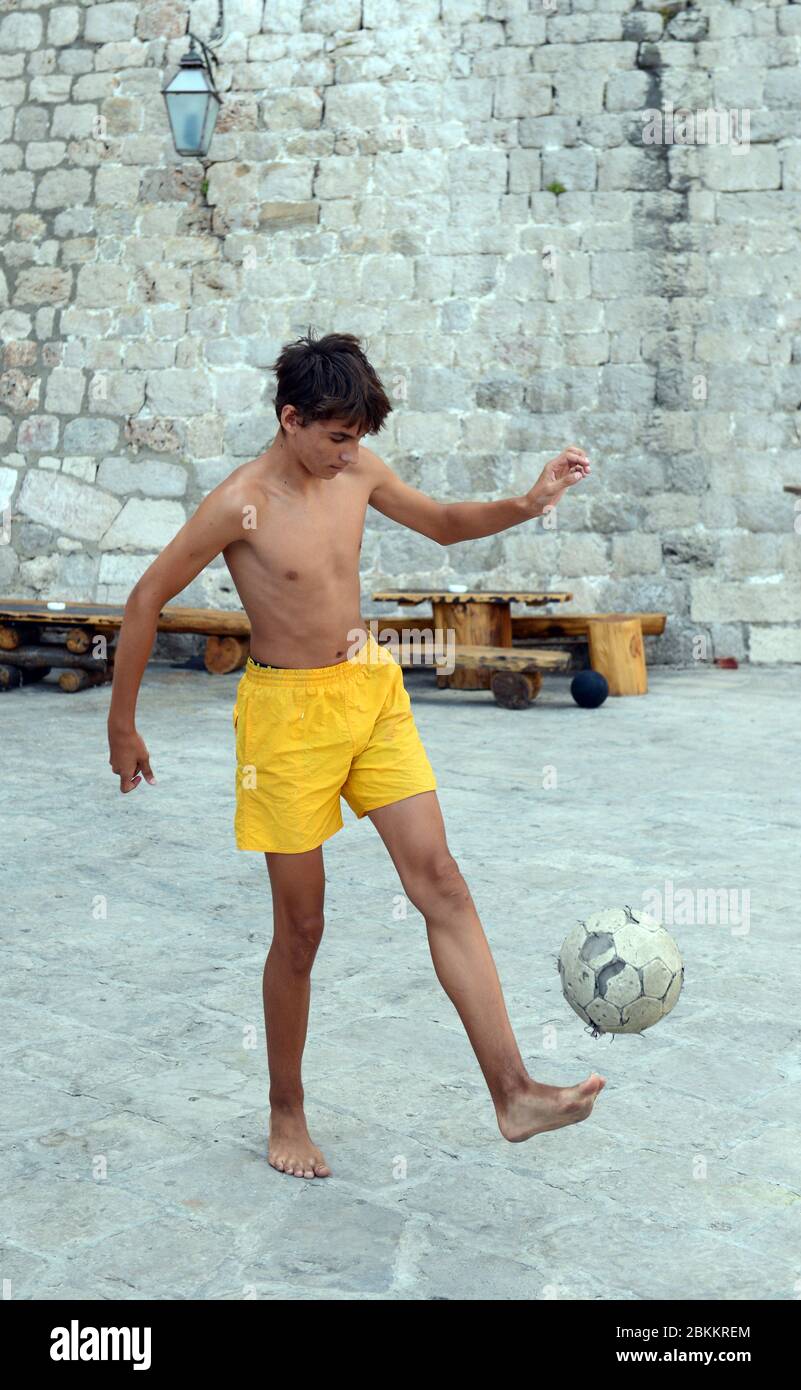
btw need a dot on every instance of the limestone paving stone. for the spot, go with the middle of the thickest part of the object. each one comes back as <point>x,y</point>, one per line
<point>86,1211</point>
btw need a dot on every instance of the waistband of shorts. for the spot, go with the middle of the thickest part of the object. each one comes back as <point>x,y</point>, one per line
<point>369,656</point>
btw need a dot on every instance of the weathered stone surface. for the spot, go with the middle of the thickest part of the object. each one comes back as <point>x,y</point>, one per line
<point>20,31</point>
<point>19,392</point>
<point>63,24</point>
<point>66,388</point>
<point>60,187</point>
<point>38,434</point>
<point>9,478</point>
<point>763,598</point>
<point>66,505</point>
<point>153,477</point>
<point>773,644</point>
<point>162,436</point>
<point>16,189</point>
<point>101,285</point>
<point>90,436</point>
<point>143,525</point>
<point>110,23</point>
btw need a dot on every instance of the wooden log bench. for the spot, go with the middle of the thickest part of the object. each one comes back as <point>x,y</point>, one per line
<point>577,624</point>
<point>514,674</point>
<point>614,642</point>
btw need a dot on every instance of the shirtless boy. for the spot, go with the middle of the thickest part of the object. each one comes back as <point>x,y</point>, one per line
<point>321,709</point>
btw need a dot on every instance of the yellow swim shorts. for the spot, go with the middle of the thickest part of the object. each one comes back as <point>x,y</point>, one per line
<point>305,736</point>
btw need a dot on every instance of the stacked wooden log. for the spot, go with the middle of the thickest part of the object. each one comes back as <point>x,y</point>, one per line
<point>83,655</point>
<point>37,636</point>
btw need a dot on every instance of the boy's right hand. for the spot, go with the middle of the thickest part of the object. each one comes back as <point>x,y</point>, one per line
<point>129,759</point>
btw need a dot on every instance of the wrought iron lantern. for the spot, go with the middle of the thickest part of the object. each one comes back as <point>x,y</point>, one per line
<point>192,101</point>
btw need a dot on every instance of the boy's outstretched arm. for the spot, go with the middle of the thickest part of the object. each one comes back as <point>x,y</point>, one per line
<point>466,521</point>
<point>449,522</point>
<point>215,524</point>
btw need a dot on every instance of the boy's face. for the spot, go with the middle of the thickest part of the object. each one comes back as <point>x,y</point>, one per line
<point>324,447</point>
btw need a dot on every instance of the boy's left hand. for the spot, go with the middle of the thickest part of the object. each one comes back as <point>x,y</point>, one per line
<point>567,469</point>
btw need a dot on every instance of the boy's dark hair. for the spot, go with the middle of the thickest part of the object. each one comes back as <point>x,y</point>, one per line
<point>330,376</point>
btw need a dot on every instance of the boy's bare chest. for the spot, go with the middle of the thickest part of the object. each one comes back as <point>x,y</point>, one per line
<point>312,541</point>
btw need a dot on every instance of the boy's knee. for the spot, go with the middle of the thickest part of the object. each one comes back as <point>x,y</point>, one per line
<point>438,881</point>
<point>298,939</point>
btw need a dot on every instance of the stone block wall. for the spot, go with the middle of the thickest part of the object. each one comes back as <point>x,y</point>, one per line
<point>471,187</point>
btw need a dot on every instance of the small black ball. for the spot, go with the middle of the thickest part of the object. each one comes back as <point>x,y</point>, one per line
<point>589,689</point>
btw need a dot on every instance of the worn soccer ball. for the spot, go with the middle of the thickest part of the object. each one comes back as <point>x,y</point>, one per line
<point>621,971</point>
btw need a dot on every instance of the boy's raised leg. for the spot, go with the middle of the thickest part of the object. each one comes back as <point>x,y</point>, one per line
<point>414,833</point>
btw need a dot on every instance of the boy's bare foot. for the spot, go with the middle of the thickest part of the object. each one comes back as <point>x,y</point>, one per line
<point>537,1108</point>
<point>290,1149</point>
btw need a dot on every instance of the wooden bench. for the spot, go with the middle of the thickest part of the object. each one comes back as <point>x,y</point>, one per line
<point>577,624</point>
<point>514,673</point>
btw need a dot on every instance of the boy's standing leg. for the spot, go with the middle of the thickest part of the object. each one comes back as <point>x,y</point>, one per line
<point>298,891</point>
<point>414,833</point>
